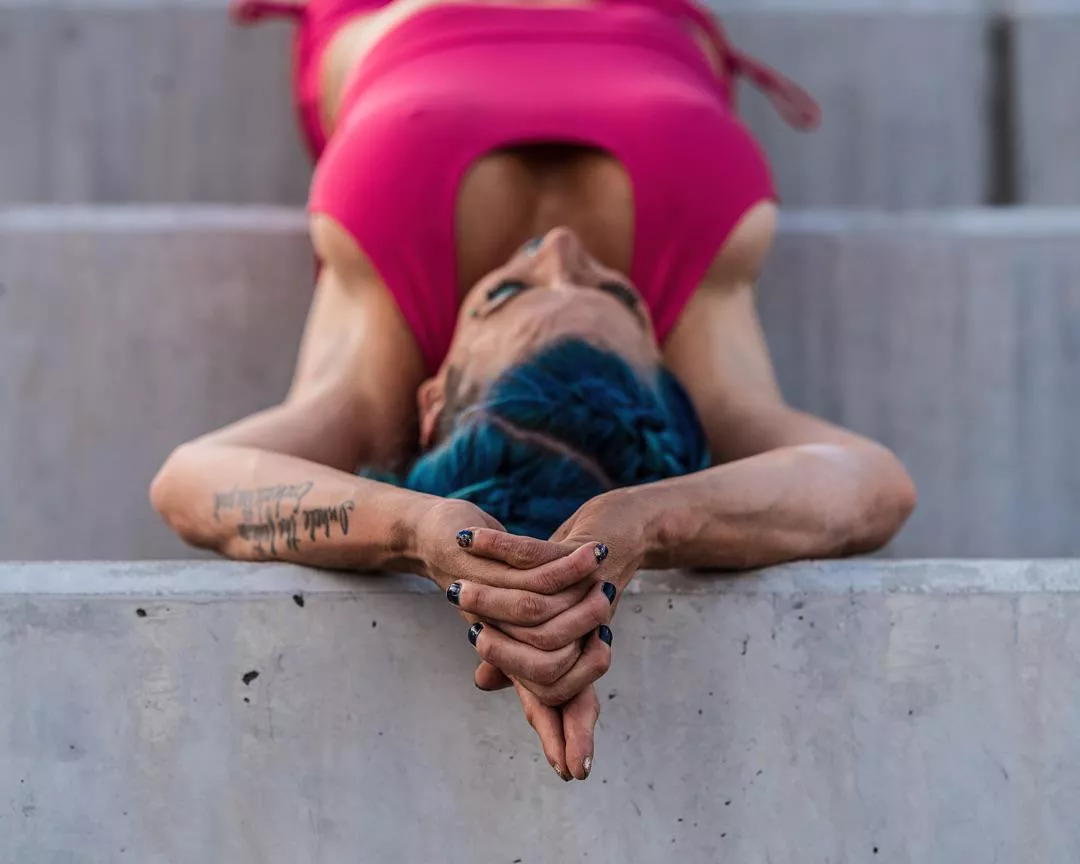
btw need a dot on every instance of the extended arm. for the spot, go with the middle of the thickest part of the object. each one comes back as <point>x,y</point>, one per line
<point>812,498</point>
<point>280,484</point>
<point>787,485</point>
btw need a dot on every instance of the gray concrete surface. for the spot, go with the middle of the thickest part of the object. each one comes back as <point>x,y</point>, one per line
<point>1046,128</point>
<point>950,337</point>
<point>896,134</point>
<point>121,335</point>
<point>145,100</point>
<point>902,713</point>
<point>162,100</point>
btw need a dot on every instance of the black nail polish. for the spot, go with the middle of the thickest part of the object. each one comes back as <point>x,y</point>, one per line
<point>608,588</point>
<point>464,538</point>
<point>600,551</point>
<point>604,632</point>
<point>453,593</point>
<point>474,633</point>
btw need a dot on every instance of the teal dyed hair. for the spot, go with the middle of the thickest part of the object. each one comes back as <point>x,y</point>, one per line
<point>567,424</point>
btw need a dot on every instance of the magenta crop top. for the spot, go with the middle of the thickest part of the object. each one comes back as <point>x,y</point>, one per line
<point>455,82</point>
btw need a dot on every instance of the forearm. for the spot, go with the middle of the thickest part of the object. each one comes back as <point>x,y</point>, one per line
<point>252,504</point>
<point>814,501</point>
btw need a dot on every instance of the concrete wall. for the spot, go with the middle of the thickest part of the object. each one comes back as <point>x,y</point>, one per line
<point>952,338</point>
<point>903,713</point>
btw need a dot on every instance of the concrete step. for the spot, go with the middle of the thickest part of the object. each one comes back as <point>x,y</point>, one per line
<point>164,101</point>
<point>123,333</point>
<point>950,337</point>
<point>895,712</point>
<point>145,101</point>
<point>1046,125</point>
<point>896,134</point>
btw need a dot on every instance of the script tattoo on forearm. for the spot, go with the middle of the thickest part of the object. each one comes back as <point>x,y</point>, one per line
<point>252,501</point>
<point>274,518</point>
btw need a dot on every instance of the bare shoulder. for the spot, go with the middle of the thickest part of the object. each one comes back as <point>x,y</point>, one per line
<point>724,301</point>
<point>744,253</point>
<point>354,314</point>
<point>337,248</point>
<point>717,349</point>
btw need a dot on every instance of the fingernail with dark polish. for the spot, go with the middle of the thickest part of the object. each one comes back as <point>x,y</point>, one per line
<point>600,551</point>
<point>604,633</point>
<point>453,593</point>
<point>464,538</point>
<point>587,765</point>
<point>607,587</point>
<point>558,770</point>
<point>474,633</point>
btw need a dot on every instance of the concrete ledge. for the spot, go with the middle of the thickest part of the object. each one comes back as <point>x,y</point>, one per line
<point>230,580</point>
<point>810,714</point>
<point>949,336</point>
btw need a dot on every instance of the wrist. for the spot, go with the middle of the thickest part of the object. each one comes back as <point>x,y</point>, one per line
<point>668,522</point>
<point>407,537</point>
<point>632,509</point>
<point>436,522</point>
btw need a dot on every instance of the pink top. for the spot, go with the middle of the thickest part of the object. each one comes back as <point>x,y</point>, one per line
<point>455,82</point>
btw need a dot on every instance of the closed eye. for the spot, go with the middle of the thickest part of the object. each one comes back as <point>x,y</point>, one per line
<point>506,288</point>
<point>621,292</point>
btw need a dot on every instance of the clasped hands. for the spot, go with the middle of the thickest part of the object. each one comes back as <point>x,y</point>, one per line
<point>540,612</point>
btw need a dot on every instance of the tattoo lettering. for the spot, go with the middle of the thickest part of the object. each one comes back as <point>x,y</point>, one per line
<point>252,501</point>
<point>321,518</point>
<point>274,529</point>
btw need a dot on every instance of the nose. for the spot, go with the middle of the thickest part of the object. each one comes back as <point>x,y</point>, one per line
<point>561,255</point>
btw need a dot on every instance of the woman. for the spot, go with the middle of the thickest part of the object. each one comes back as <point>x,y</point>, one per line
<point>539,226</point>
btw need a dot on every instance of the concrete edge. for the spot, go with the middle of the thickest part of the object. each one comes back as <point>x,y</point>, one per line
<point>114,4</point>
<point>114,219</point>
<point>1038,222</point>
<point>209,580</point>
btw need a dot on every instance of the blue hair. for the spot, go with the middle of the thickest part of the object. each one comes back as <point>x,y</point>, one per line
<point>567,424</point>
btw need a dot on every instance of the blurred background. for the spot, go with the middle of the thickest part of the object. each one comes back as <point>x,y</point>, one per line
<point>155,271</point>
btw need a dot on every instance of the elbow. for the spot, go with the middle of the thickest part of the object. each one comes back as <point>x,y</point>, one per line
<point>169,496</point>
<point>160,489</point>
<point>888,501</point>
<point>163,487</point>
